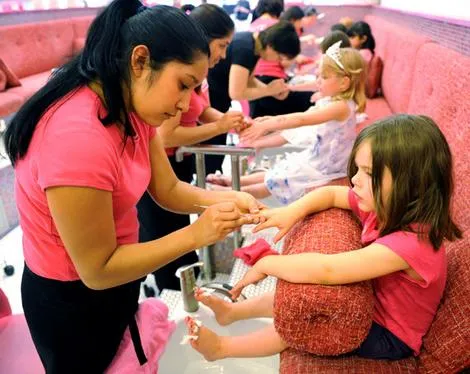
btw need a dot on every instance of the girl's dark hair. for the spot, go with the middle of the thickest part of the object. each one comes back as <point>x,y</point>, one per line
<point>332,38</point>
<point>419,159</point>
<point>281,37</point>
<point>215,21</point>
<point>167,32</point>
<point>272,7</point>
<point>188,8</point>
<point>292,14</point>
<point>310,11</point>
<point>361,29</point>
<point>339,27</point>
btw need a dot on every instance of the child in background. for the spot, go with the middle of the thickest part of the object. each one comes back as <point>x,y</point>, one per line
<point>327,130</point>
<point>361,38</point>
<point>400,170</point>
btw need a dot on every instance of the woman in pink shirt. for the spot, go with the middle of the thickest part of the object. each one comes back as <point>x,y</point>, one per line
<point>400,171</point>
<point>182,130</point>
<point>84,148</point>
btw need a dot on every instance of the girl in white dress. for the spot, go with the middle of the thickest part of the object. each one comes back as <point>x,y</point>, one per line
<point>326,130</point>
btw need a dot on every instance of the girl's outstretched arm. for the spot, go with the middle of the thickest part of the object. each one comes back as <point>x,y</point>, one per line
<point>337,110</point>
<point>317,200</point>
<point>366,263</point>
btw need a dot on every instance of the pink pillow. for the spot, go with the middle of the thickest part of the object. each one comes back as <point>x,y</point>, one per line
<point>12,80</point>
<point>374,76</point>
<point>3,81</point>
<point>324,320</point>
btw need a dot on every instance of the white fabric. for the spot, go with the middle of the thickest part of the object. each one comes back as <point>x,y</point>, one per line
<point>325,158</point>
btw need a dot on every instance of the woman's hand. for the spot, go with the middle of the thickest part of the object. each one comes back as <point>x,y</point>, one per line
<point>247,204</point>
<point>276,87</point>
<point>230,120</point>
<point>219,220</point>
<point>282,218</point>
<point>252,276</point>
<point>283,95</point>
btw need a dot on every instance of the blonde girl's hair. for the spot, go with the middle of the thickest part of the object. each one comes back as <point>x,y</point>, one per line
<point>355,70</point>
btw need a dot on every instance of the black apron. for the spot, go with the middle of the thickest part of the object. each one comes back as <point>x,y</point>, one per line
<point>76,329</point>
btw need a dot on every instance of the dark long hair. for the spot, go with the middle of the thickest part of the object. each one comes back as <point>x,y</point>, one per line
<point>215,21</point>
<point>361,29</point>
<point>272,7</point>
<point>281,37</point>
<point>419,159</point>
<point>167,32</point>
<point>294,13</point>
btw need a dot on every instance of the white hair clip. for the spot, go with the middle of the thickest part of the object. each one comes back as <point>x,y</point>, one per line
<point>335,55</point>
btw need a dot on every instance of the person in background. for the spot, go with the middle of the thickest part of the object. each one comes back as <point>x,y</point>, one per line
<point>187,8</point>
<point>361,38</point>
<point>268,71</point>
<point>346,21</point>
<point>232,78</point>
<point>242,10</point>
<point>339,27</point>
<point>273,8</point>
<point>85,149</point>
<point>155,221</point>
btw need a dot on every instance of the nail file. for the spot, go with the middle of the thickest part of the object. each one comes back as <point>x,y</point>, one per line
<point>207,206</point>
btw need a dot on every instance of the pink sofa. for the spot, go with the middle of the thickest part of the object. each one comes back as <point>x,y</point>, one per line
<point>419,77</point>
<point>32,50</point>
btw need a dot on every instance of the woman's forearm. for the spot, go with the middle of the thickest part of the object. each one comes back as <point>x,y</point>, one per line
<point>130,262</point>
<point>190,135</point>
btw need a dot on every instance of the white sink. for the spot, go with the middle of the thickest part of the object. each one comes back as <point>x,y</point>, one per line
<point>183,359</point>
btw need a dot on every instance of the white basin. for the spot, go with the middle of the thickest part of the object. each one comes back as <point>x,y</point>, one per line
<point>183,359</point>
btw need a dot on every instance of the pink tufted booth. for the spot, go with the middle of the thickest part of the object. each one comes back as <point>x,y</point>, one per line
<point>32,50</point>
<point>419,77</point>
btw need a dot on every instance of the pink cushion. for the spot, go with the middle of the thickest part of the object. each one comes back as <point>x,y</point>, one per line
<point>374,76</point>
<point>81,25</point>
<point>30,85</point>
<point>18,354</point>
<point>325,320</point>
<point>398,47</point>
<point>296,362</point>
<point>9,103</point>
<point>3,81</point>
<point>375,109</point>
<point>446,347</point>
<point>36,47</point>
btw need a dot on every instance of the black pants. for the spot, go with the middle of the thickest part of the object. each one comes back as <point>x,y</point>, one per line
<point>156,222</point>
<point>269,106</point>
<point>380,343</point>
<point>76,329</point>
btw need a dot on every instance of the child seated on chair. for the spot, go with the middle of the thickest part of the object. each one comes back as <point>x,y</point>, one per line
<point>328,130</point>
<point>400,170</point>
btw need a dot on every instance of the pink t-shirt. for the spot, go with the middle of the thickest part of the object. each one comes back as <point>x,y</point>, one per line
<point>263,67</point>
<point>403,305</point>
<point>71,147</point>
<point>199,102</point>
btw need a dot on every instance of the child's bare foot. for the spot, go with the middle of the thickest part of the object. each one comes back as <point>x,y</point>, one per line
<point>208,343</point>
<point>222,309</point>
<point>221,180</point>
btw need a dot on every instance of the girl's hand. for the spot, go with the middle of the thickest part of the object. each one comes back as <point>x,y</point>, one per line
<point>262,119</point>
<point>315,97</point>
<point>230,120</point>
<point>254,132</point>
<point>283,95</point>
<point>217,221</point>
<point>247,122</point>
<point>247,204</point>
<point>252,276</point>
<point>282,218</point>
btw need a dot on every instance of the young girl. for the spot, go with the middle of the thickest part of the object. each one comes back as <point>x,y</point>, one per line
<point>327,130</point>
<point>360,36</point>
<point>400,170</point>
